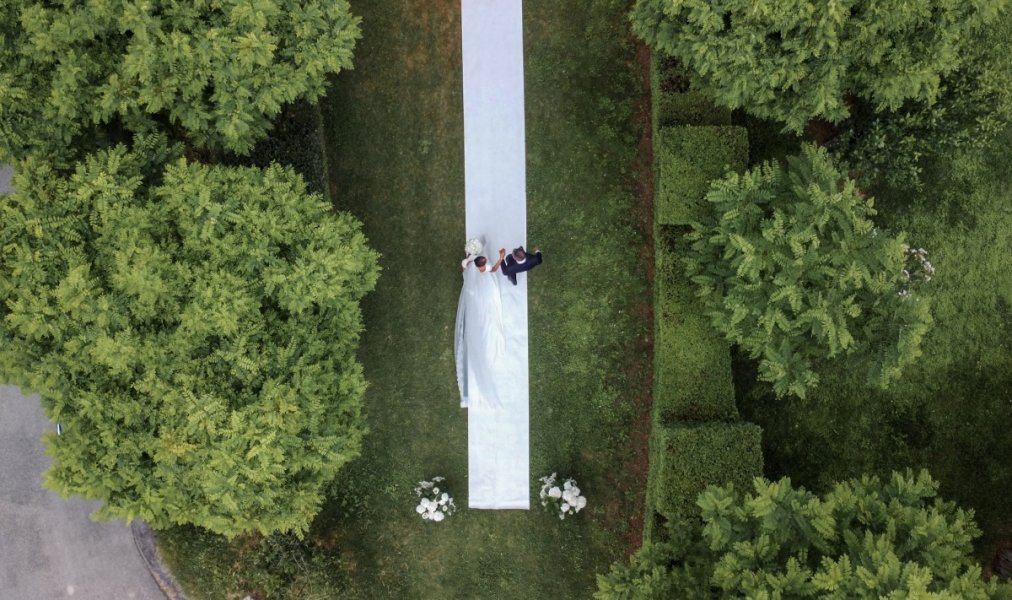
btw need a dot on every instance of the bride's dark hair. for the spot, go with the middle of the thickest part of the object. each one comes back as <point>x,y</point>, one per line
<point>480,261</point>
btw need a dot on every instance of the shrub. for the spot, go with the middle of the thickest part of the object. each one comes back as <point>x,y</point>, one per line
<point>686,159</point>
<point>193,328</point>
<point>973,108</point>
<point>864,539</point>
<point>797,61</point>
<point>694,457</point>
<point>692,370</point>
<point>221,71</point>
<point>689,108</point>
<point>791,267</point>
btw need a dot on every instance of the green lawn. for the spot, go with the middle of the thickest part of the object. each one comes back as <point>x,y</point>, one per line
<point>952,411</point>
<point>395,139</point>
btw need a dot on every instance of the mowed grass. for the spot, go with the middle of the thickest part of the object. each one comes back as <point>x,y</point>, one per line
<point>394,129</point>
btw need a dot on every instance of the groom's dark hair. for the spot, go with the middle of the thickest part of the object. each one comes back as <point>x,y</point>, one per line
<point>519,253</point>
<point>480,261</point>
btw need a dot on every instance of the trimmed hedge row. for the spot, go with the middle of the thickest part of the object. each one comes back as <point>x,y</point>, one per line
<point>682,107</point>
<point>693,457</point>
<point>686,160</point>
<point>689,108</point>
<point>692,366</point>
<point>695,439</point>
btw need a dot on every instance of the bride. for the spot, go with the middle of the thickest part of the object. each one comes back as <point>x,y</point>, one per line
<point>478,337</point>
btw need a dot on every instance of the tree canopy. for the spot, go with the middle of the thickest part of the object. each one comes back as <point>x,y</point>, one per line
<point>865,538</point>
<point>219,70</point>
<point>192,328</point>
<point>806,59</point>
<point>790,267</point>
<point>973,107</point>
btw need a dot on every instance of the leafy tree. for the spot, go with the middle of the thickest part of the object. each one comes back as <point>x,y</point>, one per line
<point>194,330</point>
<point>805,59</point>
<point>219,70</point>
<point>973,107</point>
<point>675,567</point>
<point>791,268</point>
<point>866,538</point>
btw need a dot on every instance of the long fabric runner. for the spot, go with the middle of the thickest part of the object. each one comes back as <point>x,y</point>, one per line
<point>496,209</point>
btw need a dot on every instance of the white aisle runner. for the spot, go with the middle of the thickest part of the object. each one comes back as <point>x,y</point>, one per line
<point>496,207</point>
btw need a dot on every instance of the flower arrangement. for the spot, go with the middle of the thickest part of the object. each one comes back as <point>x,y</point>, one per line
<point>434,504</point>
<point>919,268</point>
<point>566,500</point>
<point>473,246</point>
<point>918,271</point>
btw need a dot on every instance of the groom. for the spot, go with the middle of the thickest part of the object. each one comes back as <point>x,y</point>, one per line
<point>519,262</point>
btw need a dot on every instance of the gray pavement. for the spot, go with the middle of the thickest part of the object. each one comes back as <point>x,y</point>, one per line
<point>5,179</point>
<point>49,548</point>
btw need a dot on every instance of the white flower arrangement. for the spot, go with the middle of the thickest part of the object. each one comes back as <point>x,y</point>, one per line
<point>567,500</point>
<point>918,271</point>
<point>473,247</point>
<point>434,504</point>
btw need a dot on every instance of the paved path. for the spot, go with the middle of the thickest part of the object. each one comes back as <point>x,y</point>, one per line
<point>49,548</point>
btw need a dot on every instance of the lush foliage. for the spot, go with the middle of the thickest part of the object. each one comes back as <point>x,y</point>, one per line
<point>686,159</point>
<point>192,328</point>
<point>220,70</point>
<point>661,570</point>
<point>692,362</point>
<point>865,538</point>
<point>792,269</point>
<point>974,105</point>
<point>951,410</point>
<point>694,457</point>
<point>796,61</point>
<point>673,100</point>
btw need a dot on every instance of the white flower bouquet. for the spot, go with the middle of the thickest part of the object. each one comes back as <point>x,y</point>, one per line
<point>434,504</point>
<point>474,247</point>
<point>565,500</point>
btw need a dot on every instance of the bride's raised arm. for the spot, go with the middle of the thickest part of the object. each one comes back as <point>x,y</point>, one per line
<point>498,263</point>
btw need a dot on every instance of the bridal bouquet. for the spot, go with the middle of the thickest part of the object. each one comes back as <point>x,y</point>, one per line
<point>434,504</point>
<point>473,247</point>
<point>566,500</point>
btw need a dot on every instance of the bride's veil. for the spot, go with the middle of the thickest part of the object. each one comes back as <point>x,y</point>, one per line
<point>478,338</point>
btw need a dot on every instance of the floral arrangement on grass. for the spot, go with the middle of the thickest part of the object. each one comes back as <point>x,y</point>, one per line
<point>433,504</point>
<point>473,247</point>
<point>565,500</point>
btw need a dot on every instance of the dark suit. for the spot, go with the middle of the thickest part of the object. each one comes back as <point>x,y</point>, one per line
<point>510,266</point>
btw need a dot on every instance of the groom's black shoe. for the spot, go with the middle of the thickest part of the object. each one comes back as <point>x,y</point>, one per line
<point>512,278</point>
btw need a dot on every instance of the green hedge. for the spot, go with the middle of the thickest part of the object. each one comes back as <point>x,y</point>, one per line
<point>692,361</point>
<point>686,160</point>
<point>682,107</point>
<point>693,457</point>
<point>689,108</point>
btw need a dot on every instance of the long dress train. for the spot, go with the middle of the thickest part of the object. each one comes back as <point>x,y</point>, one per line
<point>478,337</point>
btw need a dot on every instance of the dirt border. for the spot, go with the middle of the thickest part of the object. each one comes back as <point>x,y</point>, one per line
<point>639,463</point>
<point>144,539</point>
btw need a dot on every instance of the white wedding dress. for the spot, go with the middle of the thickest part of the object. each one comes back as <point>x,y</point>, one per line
<point>479,344</point>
